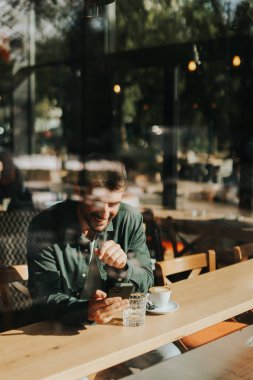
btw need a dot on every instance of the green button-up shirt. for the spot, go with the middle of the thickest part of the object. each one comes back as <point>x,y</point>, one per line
<point>58,264</point>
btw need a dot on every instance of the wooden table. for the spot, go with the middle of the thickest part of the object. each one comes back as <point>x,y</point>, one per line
<point>217,229</point>
<point>51,350</point>
<point>203,222</point>
<point>201,233</point>
<point>228,358</point>
<point>187,214</point>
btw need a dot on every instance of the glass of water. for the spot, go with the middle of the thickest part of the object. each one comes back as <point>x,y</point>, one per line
<point>135,314</point>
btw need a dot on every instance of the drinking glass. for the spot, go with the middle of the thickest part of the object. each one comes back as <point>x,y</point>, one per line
<point>134,315</point>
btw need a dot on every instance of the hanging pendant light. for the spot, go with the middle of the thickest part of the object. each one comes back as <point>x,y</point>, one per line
<point>92,8</point>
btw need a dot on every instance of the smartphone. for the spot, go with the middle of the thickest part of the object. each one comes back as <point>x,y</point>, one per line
<point>122,290</point>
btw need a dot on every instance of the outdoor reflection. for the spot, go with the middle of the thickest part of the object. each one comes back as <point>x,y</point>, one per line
<point>166,86</point>
<point>202,180</point>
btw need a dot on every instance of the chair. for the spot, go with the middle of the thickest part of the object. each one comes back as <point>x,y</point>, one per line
<point>243,252</point>
<point>181,242</point>
<point>12,277</point>
<point>13,232</point>
<point>238,253</point>
<point>152,235</point>
<point>195,263</point>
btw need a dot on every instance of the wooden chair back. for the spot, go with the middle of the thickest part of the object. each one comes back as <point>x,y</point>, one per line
<point>194,263</point>
<point>12,275</point>
<point>243,252</point>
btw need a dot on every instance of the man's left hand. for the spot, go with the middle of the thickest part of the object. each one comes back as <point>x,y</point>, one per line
<point>102,309</point>
<point>112,254</point>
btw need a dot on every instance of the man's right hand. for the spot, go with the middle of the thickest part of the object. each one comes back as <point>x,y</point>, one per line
<point>102,309</point>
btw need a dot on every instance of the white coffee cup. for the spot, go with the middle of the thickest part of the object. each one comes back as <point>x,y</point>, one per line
<point>159,296</point>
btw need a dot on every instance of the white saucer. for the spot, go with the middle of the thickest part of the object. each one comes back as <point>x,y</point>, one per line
<point>172,306</point>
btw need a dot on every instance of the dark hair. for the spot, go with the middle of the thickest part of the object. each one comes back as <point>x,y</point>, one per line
<point>103,171</point>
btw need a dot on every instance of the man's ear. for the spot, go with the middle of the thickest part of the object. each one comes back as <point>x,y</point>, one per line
<point>79,192</point>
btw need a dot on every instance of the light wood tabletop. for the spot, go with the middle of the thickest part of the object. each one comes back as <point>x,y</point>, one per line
<point>51,350</point>
<point>228,358</point>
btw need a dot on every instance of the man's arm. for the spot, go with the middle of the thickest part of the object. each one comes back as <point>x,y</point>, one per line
<point>45,285</point>
<point>45,279</point>
<point>139,266</point>
<point>135,266</point>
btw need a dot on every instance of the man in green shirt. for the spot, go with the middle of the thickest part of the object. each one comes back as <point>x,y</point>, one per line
<point>78,249</point>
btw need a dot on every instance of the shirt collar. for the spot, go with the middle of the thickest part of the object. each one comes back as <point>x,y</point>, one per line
<point>110,227</point>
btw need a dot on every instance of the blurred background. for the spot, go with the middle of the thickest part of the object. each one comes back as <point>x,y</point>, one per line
<point>165,84</point>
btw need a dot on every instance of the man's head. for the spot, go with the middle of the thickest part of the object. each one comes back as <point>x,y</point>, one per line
<point>101,183</point>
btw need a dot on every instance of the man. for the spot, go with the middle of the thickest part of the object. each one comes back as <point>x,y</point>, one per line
<point>78,249</point>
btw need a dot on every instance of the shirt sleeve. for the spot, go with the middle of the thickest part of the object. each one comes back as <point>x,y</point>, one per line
<point>138,269</point>
<point>50,302</point>
<point>139,266</point>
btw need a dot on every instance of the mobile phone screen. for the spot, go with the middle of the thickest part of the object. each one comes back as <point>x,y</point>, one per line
<point>122,290</point>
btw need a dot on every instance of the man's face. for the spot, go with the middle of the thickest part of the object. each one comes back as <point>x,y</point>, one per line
<point>99,206</point>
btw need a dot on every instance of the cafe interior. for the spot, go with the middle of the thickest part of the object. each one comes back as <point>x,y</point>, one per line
<point>167,87</point>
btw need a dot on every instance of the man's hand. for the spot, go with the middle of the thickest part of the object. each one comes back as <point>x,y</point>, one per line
<point>112,254</point>
<point>102,309</point>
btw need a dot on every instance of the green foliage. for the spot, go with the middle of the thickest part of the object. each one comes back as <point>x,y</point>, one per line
<point>208,98</point>
<point>145,23</point>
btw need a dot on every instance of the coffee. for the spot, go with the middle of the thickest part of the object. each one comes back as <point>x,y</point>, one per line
<point>159,296</point>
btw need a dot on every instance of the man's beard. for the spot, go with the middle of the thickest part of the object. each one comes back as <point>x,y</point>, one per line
<point>95,221</point>
<point>92,221</point>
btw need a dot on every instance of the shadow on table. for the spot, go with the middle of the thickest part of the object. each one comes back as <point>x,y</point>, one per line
<point>47,328</point>
<point>116,322</point>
